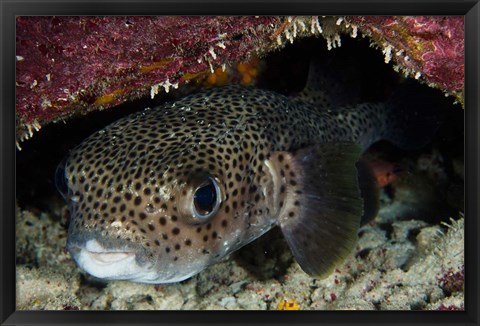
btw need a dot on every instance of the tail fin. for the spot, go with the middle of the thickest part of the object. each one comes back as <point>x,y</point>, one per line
<point>415,112</point>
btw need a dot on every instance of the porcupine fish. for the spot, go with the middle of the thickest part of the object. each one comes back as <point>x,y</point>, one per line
<point>160,195</point>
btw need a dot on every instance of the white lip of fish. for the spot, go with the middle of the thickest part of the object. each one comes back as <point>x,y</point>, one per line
<point>110,264</point>
<point>121,264</point>
<point>107,258</point>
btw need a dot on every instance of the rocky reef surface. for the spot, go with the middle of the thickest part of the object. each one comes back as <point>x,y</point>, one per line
<point>70,66</point>
<point>408,265</point>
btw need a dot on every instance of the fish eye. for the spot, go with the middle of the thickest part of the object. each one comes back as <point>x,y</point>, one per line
<point>206,199</point>
<point>61,179</point>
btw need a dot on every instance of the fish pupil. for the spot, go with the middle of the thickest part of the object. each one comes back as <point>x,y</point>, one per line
<point>205,198</point>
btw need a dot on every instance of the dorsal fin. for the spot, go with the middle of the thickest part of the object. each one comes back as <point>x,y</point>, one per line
<point>330,85</point>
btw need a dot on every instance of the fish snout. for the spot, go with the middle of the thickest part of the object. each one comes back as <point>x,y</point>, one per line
<point>110,263</point>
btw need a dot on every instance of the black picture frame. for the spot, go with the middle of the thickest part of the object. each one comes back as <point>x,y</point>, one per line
<point>10,9</point>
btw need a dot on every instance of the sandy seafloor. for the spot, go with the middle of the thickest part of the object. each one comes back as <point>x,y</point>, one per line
<point>407,265</point>
<point>405,259</point>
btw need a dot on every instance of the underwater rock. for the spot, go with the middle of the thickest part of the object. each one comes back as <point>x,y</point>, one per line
<point>46,288</point>
<point>427,47</point>
<point>415,266</point>
<point>67,66</point>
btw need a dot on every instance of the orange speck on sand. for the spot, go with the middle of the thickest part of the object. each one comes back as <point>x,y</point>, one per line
<point>288,304</point>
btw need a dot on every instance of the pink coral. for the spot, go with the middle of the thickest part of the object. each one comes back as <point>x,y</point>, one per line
<point>68,65</point>
<point>430,45</point>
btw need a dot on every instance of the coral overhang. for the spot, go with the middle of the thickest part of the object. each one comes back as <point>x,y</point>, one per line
<point>428,46</point>
<point>70,65</point>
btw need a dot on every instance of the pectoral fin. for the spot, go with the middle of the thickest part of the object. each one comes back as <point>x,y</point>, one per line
<point>322,205</point>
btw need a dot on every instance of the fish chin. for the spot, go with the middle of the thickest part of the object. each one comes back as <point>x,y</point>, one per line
<point>120,264</point>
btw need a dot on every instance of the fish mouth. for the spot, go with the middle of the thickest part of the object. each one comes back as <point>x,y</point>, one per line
<point>107,258</point>
<point>121,263</point>
<point>102,256</point>
<point>107,263</point>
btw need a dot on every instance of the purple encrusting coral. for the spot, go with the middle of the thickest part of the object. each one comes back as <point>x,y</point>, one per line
<point>65,64</point>
<point>69,65</point>
<point>453,281</point>
<point>432,46</point>
<point>442,307</point>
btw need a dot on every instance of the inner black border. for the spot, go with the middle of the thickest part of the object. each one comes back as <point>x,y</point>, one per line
<point>10,8</point>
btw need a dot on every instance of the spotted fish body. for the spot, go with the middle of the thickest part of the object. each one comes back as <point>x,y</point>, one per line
<point>133,186</point>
